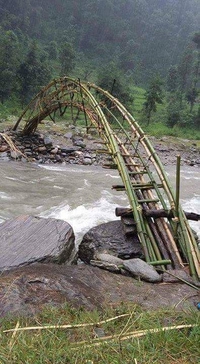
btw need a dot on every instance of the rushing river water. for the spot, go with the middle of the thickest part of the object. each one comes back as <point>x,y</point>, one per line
<point>81,195</point>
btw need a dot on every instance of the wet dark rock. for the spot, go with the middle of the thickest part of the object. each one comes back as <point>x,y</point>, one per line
<point>175,275</point>
<point>109,238</point>
<point>68,150</point>
<point>27,290</point>
<point>27,239</point>
<point>28,153</point>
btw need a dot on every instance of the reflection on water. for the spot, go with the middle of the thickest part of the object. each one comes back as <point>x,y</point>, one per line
<point>81,195</point>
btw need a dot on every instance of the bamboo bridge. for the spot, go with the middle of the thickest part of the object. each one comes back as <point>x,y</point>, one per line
<point>161,224</point>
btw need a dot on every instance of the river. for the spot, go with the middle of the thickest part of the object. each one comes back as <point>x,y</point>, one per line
<point>80,195</point>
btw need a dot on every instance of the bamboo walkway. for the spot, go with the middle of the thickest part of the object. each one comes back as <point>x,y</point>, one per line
<point>167,241</point>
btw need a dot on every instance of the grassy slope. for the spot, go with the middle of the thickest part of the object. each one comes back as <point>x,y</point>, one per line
<point>156,127</point>
<point>61,346</point>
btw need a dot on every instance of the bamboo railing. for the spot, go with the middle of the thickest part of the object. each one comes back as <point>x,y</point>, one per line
<point>148,189</point>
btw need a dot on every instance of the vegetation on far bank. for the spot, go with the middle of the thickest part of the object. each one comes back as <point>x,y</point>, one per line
<point>11,109</point>
<point>102,342</point>
<point>146,53</point>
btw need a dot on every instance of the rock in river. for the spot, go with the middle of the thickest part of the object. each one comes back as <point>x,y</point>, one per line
<point>27,239</point>
<point>109,238</point>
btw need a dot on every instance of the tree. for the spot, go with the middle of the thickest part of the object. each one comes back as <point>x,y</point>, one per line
<point>67,58</point>
<point>185,71</point>
<point>8,63</point>
<point>52,49</point>
<point>196,71</point>
<point>172,79</point>
<point>173,112</point>
<point>112,79</point>
<point>33,73</point>
<point>153,97</point>
<point>196,39</point>
<point>191,96</point>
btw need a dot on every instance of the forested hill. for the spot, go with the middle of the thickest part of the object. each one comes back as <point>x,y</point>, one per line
<point>55,37</point>
<point>141,34</point>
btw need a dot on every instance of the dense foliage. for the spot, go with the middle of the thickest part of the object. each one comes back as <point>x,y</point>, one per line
<point>136,39</point>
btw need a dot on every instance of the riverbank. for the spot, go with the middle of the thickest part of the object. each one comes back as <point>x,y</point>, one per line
<point>122,334</point>
<point>67,144</point>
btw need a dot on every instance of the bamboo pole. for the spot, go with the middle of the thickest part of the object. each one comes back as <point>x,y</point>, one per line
<point>178,165</point>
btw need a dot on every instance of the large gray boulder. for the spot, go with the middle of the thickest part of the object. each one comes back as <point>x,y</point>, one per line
<point>27,239</point>
<point>109,238</point>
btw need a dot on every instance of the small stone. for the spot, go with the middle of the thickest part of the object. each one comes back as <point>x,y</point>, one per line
<point>58,158</point>
<point>42,149</point>
<point>4,156</point>
<point>140,269</point>
<point>3,148</point>
<point>87,161</point>
<point>48,141</point>
<point>87,155</point>
<point>68,135</point>
<point>54,151</point>
<point>68,150</point>
<point>78,154</point>
<point>24,160</point>
<point>80,143</point>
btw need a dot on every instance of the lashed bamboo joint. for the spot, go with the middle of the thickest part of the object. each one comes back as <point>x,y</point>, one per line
<point>164,238</point>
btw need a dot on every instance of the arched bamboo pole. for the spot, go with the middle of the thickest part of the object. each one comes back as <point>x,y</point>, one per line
<point>127,145</point>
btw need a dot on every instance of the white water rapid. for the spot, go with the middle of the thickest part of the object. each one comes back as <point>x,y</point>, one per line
<point>80,195</point>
